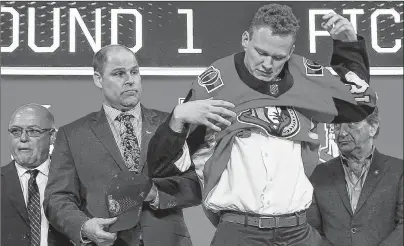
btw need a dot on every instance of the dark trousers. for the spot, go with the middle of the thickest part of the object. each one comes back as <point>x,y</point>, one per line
<point>233,234</point>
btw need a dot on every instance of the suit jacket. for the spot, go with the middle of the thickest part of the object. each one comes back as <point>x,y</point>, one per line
<point>378,219</point>
<point>84,161</point>
<point>15,228</point>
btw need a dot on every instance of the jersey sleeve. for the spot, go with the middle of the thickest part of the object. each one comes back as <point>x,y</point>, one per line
<point>351,62</point>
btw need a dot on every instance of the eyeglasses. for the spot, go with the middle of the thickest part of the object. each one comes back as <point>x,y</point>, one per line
<point>30,131</point>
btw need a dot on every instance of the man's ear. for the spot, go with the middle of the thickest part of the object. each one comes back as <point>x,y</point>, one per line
<point>53,137</point>
<point>97,78</point>
<point>245,38</point>
<point>291,50</point>
<point>373,129</point>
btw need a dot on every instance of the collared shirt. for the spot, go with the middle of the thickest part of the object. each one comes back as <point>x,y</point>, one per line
<point>118,127</point>
<point>265,175</point>
<point>41,179</point>
<point>354,184</point>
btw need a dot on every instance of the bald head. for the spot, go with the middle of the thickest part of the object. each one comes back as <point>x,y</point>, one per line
<point>32,110</point>
<point>35,123</point>
<point>101,57</point>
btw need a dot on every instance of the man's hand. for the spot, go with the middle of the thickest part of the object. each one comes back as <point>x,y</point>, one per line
<point>339,27</point>
<point>93,230</point>
<point>200,112</point>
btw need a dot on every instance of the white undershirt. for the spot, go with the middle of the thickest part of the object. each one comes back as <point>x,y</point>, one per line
<point>265,175</point>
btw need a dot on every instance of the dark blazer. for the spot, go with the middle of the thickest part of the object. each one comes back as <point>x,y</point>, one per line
<point>15,228</point>
<point>84,161</point>
<point>378,219</point>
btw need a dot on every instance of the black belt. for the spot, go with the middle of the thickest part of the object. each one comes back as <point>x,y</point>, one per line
<point>265,221</point>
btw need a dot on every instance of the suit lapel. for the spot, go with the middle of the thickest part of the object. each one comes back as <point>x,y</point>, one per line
<point>100,126</point>
<point>375,174</point>
<point>13,190</point>
<point>149,126</point>
<point>340,184</point>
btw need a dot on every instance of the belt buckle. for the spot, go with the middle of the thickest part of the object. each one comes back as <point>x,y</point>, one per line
<point>273,222</point>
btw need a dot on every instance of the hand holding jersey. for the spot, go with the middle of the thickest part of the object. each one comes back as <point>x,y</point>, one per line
<point>317,94</point>
<point>352,74</point>
<point>339,27</point>
<point>201,112</point>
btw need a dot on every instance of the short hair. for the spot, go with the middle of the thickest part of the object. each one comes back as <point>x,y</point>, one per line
<point>101,56</point>
<point>279,18</point>
<point>374,119</point>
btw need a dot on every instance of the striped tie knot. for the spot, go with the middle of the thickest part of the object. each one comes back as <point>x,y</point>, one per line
<point>33,173</point>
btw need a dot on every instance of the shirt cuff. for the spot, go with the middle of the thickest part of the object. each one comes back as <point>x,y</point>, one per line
<point>156,202</point>
<point>184,162</point>
<point>84,240</point>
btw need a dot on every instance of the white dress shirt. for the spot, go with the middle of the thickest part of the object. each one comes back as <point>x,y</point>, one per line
<point>265,175</point>
<point>41,180</point>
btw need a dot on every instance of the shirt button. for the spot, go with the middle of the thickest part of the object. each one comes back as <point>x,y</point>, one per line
<point>353,230</point>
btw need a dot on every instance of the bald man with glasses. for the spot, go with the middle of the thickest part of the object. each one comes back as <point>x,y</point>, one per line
<point>24,179</point>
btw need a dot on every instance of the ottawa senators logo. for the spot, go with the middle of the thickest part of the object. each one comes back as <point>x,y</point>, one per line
<point>210,79</point>
<point>275,121</point>
<point>113,206</point>
<point>312,68</point>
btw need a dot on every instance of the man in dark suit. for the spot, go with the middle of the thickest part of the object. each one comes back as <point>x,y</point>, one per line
<point>22,218</point>
<point>358,196</point>
<point>90,151</point>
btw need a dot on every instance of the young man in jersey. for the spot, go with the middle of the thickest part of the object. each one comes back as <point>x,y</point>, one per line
<point>254,167</point>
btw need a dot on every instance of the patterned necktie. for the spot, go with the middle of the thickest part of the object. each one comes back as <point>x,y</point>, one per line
<point>129,142</point>
<point>34,208</point>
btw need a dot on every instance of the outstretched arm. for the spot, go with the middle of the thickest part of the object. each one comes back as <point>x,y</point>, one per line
<point>351,62</point>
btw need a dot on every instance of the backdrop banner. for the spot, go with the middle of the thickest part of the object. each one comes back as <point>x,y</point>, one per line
<point>66,34</point>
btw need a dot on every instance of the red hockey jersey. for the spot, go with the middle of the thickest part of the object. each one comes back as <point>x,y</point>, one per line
<point>293,115</point>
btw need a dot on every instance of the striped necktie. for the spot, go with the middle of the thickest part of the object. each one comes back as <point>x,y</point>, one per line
<point>129,142</point>
<point>34,208</point>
